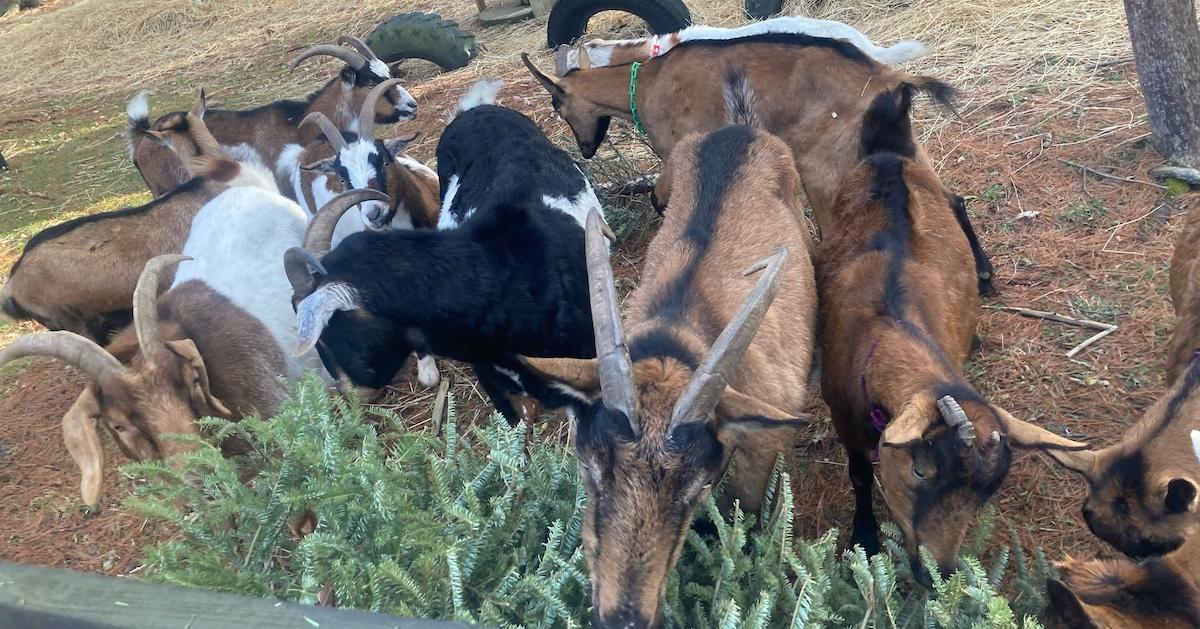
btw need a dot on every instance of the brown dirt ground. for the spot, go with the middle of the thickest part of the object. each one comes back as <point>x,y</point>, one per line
<point>1097,248</point>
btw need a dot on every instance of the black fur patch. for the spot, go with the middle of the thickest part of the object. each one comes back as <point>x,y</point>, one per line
<point>886,125</point>
<point>889,188</point>
<point>55,231</point>
<point>1161,592</point>
<point>718,159</point>
<point>843,48</point>
<point>661,343</point>
<point>1190,381</point>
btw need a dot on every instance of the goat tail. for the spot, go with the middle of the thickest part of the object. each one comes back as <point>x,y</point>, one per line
<point>481,93</point>
<point>940,91</point>
<point>137,117</point>
<point>741,107</point>
<point>901,52</point>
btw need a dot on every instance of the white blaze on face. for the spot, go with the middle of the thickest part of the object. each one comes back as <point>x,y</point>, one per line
<point>359,161</point>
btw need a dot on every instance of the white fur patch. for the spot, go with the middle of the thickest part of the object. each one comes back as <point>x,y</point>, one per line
<point>903,51</point>
<point>481,93</point>
<point>570,391</point>
<point>427,372</point>
<point>237,241</point>
<point>380,68</point>
<point>1196,444</point>
<point>254,171</point>
<point>416,167</point>
<point>446,220</point>
<point>577,208</point>
<point>511,375</point>
<point>356,159</point>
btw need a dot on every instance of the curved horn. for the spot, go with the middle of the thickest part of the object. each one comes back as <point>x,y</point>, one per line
<point>332,133</point>
<point>366,115</point>
<point>299,266</point>
<point>704,390</point>
<point>615,369</point>
<point>145,303</point>
<point>351,57</point>
<point>357,44</point>
<point>320,229</point>
<point>68,347</point>
<point>954,416</point>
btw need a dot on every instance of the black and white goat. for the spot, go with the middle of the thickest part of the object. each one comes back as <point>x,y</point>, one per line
<point>506,276</point>
<point>337,161</point>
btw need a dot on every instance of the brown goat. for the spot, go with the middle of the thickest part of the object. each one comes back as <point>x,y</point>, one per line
<point>898,313</point>
<point>699,378</point>
<point>268,129</point>
<point>820,90</point>
<point>168,382</point>
<point>79,275</point>
<point>1119,594</point>
<point>1143,488</point>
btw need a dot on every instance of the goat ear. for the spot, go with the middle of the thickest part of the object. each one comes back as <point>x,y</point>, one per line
<point>909,427</point>
<point>349,76</point>
<point>394,68</point>
<point>550,84</point>
<point>196,376</point>
<point>742,418</point>
<point>1180,496</point>
<point>581,374</point>
<point>394,146</point>
<point>1025,435</point>
<point>322,166</point>
<point>82,436</point>
<point>158,137</point>
<point>1083,462</point>
<point>1064,605</point>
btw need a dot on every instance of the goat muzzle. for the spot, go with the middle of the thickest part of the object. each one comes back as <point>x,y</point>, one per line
<point>366,116</point>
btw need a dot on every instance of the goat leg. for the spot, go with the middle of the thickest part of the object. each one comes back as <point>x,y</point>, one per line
<point>983,266</point>
<point>866,527</point>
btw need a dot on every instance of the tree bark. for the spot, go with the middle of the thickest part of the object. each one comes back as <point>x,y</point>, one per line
<point>1166,51</point>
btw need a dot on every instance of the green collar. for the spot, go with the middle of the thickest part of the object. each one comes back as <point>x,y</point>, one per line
<point>637,121</point>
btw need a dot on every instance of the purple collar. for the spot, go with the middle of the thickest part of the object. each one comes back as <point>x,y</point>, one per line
<point>879,416</point>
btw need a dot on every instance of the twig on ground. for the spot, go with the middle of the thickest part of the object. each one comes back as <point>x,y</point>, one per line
<point>1105,328</point>
<point>439,405</point>
<point>1089,169</point>
<point>1095,337</point>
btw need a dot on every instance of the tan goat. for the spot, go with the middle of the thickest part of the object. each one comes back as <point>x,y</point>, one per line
<point>1143,488</point>
<point>813,95</point>
<point>898,313</point>
<point>697,378</point>
<point>79,275</point>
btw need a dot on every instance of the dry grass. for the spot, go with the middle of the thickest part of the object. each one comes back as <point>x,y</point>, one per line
<point>1041,81</point>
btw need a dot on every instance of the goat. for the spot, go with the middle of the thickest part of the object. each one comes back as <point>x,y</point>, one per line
<point>79,275</point>
<point>898,314</point>
<point>269,128</point>
<point>614,52</point>
<point>215,344</point>
<point>1120,594</point>
<point>1143,489</point>
<point>504,275</point>
<point>366,163</point>
<point>838,81</point>
<point>705,370</point>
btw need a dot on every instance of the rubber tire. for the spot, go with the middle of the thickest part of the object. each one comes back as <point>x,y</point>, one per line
<point>763,9</point>
<point>423,36</point>
<point>569,18</point>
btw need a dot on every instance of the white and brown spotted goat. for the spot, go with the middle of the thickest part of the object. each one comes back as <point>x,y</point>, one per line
<point>709,366</point>
<point>267,130</point>
<point>898,312</point>
<point>1144,488</point>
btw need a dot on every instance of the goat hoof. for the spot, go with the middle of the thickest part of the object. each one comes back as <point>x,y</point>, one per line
<point>427,372</point>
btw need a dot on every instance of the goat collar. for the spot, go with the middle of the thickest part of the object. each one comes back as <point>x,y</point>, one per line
<point>633,72</point>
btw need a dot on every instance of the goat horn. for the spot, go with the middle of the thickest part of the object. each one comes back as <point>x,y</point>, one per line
<point>299,265</point>
<point>562,60</point>
<point>614,367</point>
<point>68,347</point>
<point>356,60</point>
<point>366,116</point>
<point>145,303</point>
<point>320,230</point>
<point>332,133</point>
<point>357,44</point>
<point>954,416</point>
<point>704,390</point>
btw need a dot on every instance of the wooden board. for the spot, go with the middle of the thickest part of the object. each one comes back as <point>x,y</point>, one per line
<point>51,598</point>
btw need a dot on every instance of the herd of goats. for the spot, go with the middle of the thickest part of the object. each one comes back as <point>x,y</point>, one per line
<point>287,240</point>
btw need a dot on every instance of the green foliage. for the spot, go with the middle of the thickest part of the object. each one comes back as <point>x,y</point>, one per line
<point>486,527</point>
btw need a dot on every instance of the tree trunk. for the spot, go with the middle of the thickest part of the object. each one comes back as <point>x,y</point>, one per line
<point>1166,51</point>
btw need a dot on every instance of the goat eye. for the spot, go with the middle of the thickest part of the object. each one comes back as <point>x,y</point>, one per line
<point>917,471</point>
